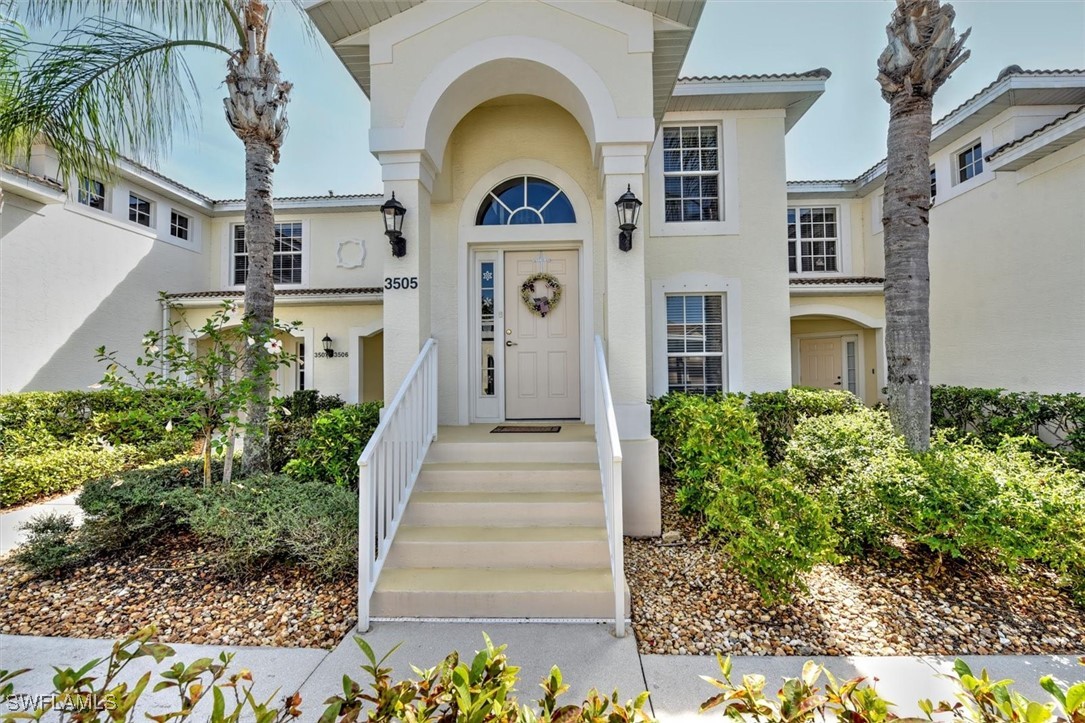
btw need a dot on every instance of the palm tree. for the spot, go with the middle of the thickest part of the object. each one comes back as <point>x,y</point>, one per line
<point>111,86</point>
<point>923,51</point>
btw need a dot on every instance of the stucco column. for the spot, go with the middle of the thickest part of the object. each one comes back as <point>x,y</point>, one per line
<point>626,338</point>
<point>406,308</point>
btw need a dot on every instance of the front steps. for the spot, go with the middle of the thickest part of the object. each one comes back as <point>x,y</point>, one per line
<point>502,526</point>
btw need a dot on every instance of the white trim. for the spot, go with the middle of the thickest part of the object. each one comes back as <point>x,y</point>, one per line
<point>1037,143</point>
<point>357,368</point>
<point>844,337</point>
<point>844,259</point>
<point>537,236</point>
<point>227,274</point>
<point>729,200</point>
<point>697,283</point>
<point>840,289</point>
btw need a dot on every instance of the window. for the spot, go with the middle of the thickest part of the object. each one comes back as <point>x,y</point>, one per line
<point>487,322</point>
<point>139,210</point>
<point>970,163</point>
<point>524,200</point>
<point>92,193</point>
<point>179,225</point>
<point>691,173</point>
<point>286,260</point>
<point>852,369</point>
<point>934,184</point>
<point>812,239</point>
<point>695,332</point>
<point>301,366</point>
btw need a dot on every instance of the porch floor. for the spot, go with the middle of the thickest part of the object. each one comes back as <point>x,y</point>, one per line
<point>570,432</point>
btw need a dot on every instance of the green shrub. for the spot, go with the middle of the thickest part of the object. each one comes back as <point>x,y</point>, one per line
<point>292,421</point>
<point>337,438</point>
<point>50,545</point>
<point>262,519</point>
<point>132,509</point>
<point>854,462</point>
<point>778,413</point>
<point>61,469</point>
<point>702,438</point>
<point>771,530</point>
<point>307,403</point>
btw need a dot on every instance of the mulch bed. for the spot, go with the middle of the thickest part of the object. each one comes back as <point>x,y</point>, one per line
<point>686,601</point>
<point>174,587</point>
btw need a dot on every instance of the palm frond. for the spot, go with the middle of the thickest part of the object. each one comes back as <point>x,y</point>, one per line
<point>106,88</point>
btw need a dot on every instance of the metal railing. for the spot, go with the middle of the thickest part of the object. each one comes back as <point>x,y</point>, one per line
<point>610,467</point>
<point>388,468</point>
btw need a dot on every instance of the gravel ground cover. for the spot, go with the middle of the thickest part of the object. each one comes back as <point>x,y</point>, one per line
<point>173,587</point>
<point>686,601</point>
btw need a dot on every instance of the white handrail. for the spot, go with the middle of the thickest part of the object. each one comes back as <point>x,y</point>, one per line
<point>610,467</point>
<point>388,468</point>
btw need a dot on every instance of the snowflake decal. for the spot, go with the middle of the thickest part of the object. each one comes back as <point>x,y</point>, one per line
<point>488,276</point>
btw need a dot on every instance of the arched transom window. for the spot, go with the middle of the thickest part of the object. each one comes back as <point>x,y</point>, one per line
<point>525,199</point>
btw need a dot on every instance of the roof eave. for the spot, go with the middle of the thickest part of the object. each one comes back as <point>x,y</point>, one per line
<point>28,187</point>
<point>798,94</point>
<point>1040,145</point>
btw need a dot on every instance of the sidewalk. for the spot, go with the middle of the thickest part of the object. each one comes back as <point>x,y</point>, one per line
<point>11,521</point>
<point>588,655</point>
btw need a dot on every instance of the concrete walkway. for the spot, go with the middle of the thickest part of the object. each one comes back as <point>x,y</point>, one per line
<point>10,522</point>
<point>588,656</point>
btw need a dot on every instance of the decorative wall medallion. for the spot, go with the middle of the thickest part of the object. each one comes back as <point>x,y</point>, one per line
<point>350,254</point>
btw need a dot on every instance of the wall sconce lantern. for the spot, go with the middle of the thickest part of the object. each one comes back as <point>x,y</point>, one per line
<point>628,206</point>
<point>393,212</point>
<point>329,351</point>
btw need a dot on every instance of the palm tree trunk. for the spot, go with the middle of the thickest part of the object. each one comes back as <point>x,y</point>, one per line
<point>905,210</point>
<point>259,297</point>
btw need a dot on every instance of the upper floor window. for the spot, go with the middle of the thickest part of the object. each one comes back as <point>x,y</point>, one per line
<point>691,173</point>
<point>934,184</point>
<point>524,200</point>
<point>970,162</point>
<point>92,193</point>
<point>179,225</point>
<point>139,210</point>
<point>286,259</point>
<point>812,239</point>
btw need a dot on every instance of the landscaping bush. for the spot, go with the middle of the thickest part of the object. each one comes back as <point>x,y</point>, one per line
<point>778,412</point>
<point>56,470</point>
<point>292,421</point>
<point>990,414</point>
<point>51,545</point>
<point>330,452</point>
<point>701,439</point>
<point>267,518</point>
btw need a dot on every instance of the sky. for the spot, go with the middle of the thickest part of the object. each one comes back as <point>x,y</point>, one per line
<point>841,136</point>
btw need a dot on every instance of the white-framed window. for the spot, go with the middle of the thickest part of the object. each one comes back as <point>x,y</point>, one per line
<point>179,225</point>
<point>139,210</point>
<point>695,343</point>
<point>970,162</point>
<point>286,264</point>
<point>92,193</point>
<point>813,239</point>
<point>934,184</point>
<point>691,173</point>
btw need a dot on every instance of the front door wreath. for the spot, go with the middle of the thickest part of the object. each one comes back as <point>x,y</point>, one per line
<point>541,305</point>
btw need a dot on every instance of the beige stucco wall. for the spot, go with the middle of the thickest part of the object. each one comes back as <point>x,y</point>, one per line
<point>869,379</point>
<point>322,234</point>
<point>756,256</point>
<point>73,279</point>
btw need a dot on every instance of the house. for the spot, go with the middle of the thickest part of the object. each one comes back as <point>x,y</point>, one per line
<point>508,131</point>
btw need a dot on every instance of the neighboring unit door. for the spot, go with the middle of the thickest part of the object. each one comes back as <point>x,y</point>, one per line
<point>820,363</point>
<point>542,353</point>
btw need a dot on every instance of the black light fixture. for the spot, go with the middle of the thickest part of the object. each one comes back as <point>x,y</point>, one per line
<point>394,212</point>
<point>628,206</point>
<point>329,351</point>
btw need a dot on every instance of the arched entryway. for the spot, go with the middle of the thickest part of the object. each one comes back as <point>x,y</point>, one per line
<point>837,347</point>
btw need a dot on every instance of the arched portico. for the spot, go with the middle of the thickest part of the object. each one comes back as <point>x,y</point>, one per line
<point>835,340</point>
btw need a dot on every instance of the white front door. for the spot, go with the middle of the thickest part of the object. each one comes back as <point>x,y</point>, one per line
<point>542,345</point>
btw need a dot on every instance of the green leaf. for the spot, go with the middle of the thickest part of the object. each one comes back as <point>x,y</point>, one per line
<point>1037,713</point>
<point>1075,698</point>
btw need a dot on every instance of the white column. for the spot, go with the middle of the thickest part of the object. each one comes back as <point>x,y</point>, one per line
<point>625,309</point>
<point>406,310</point>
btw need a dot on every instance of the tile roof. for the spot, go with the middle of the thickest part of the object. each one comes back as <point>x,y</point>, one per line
<point>1057,122</point>
<point>151,172</point>
<point>307,198</point>
<point>356,291</point>
<point>50,182</point>
<point>816,73</point>
<point>827,280</point>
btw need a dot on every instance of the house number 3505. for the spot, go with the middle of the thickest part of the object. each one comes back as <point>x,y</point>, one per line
<point>401,282</point>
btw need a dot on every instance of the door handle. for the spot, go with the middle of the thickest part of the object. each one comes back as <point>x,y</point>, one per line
<point>510,343</point>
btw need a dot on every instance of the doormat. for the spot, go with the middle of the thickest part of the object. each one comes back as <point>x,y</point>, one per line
<point>524,429</point>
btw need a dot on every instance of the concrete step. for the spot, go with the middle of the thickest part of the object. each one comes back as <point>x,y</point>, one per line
<point>525,448</point>
<point>495,593</point>
<point>506,547</point>
<point>509,477</point>
<point>504,509</point>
